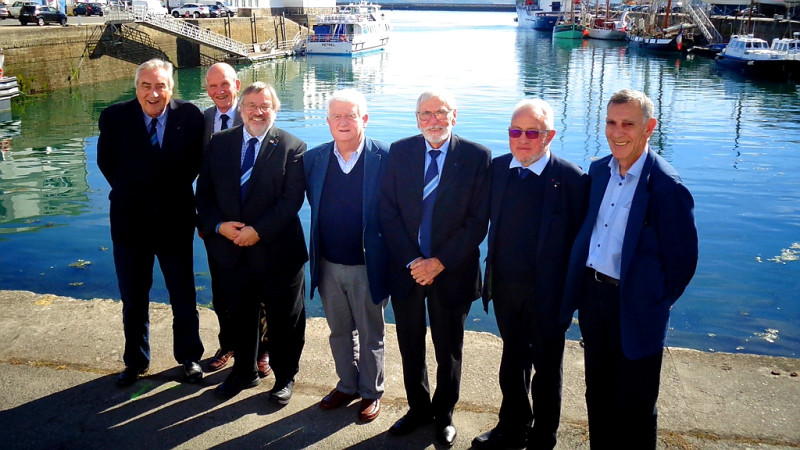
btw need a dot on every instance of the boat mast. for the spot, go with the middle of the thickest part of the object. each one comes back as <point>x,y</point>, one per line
<point>666,15</point>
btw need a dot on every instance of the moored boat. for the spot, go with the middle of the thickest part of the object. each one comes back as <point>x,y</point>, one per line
<point>537,14</point>
<point>788,46</point>
<point>568,27</point>
<point>753,57</point>
<point>354,28</point>
<point>606,27</point>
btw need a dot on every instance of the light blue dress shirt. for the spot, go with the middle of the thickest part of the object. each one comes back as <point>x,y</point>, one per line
<point>218,118</point>
<point>160,127</point>
<point>537,167</point>
<point>605,249</point>
<point>347,166</point>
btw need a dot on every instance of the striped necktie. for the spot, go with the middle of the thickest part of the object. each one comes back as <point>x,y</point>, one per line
<point>247,167</point>
<point>224,119</point>
<point>154,133</point>
<point>428,199</point>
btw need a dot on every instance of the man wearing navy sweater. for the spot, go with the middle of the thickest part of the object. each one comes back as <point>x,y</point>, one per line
<point>537,206</point>
<point>348,255</point>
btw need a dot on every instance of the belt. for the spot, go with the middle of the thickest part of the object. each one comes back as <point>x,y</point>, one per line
<point>603,278</point>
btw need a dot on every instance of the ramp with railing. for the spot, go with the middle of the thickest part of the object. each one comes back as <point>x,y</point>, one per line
<point>704,24</point>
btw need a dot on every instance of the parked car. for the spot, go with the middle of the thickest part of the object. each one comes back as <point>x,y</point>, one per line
<point>88,9</point>
<point>223,8</point>
<point>41,15</point>
<point>195,10</point>
<point>4,14</point>
<point>13,10</point>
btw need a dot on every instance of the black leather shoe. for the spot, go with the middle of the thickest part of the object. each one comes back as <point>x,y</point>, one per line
<point>409,423</point>
<point>192,373</point>
<point>495,439</point>
<point>446,435</point>
<point>233,385</point>
<point>281,393</point>
<point>129,376</point>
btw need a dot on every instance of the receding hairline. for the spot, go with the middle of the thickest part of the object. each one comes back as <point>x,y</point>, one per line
<point>257,87</point>
<point>155,64</point>
<point>537,106</point>
<point>351,96</point>
<point>227,70</point>
<point>442,94</point>
<point>633,96</point>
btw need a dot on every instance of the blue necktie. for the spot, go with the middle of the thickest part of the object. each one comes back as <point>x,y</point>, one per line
<point>224,119</point>
<point>428,198</point>
<point>154,133</point>
<point>524,172</point>
<point>247,167</point>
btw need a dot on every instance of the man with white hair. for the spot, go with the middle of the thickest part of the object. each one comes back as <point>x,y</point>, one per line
<point>348,254</point>
<point>538,203</point>
<point>434,213</point>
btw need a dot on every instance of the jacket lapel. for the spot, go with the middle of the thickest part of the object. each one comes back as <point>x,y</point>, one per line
<point>268,146</point>
<point>499,183</point>
<point>452,165</point>
<point>372,161</point>
<point>641,198</point>
<point>322,160</point>
<point>552,186</point>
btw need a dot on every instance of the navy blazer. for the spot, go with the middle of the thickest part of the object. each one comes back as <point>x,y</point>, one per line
<point>659,253</point>
<point>566,197</point>
<point>273,198</point>
<point>376,254</point>
<point>460,216</point>
<point>208,117</point>
<point>150,185</point>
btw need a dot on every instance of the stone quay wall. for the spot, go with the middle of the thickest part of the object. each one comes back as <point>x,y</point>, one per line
<point>50,58</point>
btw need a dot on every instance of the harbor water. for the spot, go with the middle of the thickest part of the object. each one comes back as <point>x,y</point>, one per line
<point>734,141</point>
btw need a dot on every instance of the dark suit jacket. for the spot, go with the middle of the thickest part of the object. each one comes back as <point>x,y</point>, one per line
<point>659,253</point>
<point>150,186</point>
<point>566,197</point>
<point>273,198</point>
<point>460,216</point>
<point>376,254</point>
<point>208,117</point>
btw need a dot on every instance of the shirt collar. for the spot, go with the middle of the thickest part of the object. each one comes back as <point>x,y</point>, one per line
<point>231,113</point>
<point>247,136</point>
<point>537,167</point>
<point>162,118</point>
<point>358,150</point>
<point>636,168</point>
<point>444,148</point>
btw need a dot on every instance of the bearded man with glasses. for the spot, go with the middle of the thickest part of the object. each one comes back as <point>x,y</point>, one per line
<point>434,213</point>
<point>538,202</point>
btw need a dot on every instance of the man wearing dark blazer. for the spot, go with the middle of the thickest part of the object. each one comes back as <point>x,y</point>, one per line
<point>538,203</point>
<point>150,150</point>
<point>222,86</point>
<point>633,257</point>
<point>250,189</point>
<point>434,213</point>
<point>349,257</point>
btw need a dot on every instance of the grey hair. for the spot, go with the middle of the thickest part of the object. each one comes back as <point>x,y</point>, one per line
<point>633,96</point>
<point>351,96</point>
<point>258,87</point>
<point>441,94</point>
<point>537,106</point>
<point>155,63</point>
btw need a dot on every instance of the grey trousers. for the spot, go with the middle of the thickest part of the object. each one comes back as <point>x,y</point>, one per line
<point>357,328</point>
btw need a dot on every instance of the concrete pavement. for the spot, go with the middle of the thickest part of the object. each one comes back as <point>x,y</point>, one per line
<point>59,357</point>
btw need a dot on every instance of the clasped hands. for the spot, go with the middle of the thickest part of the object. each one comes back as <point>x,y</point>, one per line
<point>239,233</point>
<point>425,270</point>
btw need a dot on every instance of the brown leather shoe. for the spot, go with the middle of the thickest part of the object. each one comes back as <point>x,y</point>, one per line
<point>263,365</point>
<point>369,409</point>
<point>220,360</point>
<point>336,399</point>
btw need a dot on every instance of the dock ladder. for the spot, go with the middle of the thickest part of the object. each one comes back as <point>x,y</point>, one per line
<point>703,23</point>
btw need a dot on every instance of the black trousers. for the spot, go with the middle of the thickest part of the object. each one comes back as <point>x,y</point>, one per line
<point>221,309</point>
<point>529,342</point>
<point>281,293</point>
<point>447,333</point>
<point>621,393</point>
<point>134,266</point>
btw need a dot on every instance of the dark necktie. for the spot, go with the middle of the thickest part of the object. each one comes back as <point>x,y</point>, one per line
<point>247,167</point>
<point>154,133</point>
<point>224,119</point>
<point>428,198</point>
<point>523,172</point>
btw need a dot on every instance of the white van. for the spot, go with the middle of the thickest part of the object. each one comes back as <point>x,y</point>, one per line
<point>152,6</point>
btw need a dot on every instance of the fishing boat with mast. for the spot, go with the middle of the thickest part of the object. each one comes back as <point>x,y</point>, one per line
<point>668,38</point>
<point>569,28</point>
<point>604,26</point>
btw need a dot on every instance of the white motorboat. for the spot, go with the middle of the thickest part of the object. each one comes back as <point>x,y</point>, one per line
<point>753,57</point>
<point>354,28</point>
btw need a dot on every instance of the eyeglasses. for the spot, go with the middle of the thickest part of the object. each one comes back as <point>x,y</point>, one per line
<point>441,114</point>
<point>251,107</point>
<point>515,133</point>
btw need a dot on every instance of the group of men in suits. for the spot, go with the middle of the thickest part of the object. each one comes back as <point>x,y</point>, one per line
<point>618,245</point>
